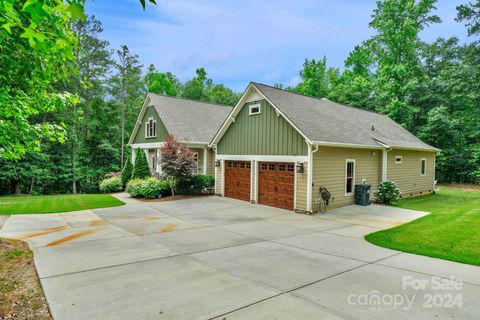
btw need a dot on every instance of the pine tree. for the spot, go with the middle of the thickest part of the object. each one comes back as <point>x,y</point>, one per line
<point>127,172</point>
<point>140,169</point>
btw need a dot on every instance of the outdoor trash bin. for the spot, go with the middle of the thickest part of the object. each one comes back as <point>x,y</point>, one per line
<point>362,194</point>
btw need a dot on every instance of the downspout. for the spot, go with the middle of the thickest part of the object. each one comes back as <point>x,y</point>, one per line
<point>310,176</point>
<point>385,163</point>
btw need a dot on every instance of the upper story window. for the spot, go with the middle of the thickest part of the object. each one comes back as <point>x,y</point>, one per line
<point>423,166</point>
<point>349,177</point>
<point>398,160</point>
<point>151,128</point>
<point>254,109</point>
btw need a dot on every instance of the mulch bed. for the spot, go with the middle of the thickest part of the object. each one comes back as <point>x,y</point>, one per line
<point>21,295</point>
<point>174,198</point>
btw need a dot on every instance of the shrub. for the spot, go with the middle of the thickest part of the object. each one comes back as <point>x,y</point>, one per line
<point>201,182</point>
<point>127,172</point>
<point>140,168</point>
<point>147,188</point>
<point>387,192</point>
<point>113,184</point>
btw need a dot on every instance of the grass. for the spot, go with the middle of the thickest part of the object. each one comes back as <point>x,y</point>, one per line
<point>56,203</point>
<point>450,232</point>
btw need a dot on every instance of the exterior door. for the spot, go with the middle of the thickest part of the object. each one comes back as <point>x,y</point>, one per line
<point>276,184</point>
<point>237,180</point>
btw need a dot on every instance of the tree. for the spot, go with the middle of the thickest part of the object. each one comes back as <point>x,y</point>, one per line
<point>178,162</point>
<point>158,82</point>
<point>126,87</point>
<point>314,78</point>
<point>220,94</point>
<point>127,172</point>
<point>141,169</point>
<point>470,14</point>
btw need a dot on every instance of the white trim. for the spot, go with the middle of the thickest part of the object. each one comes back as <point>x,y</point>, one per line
<point>425,173</point>
<point>262,158</point>
<point>398,157</point>
<point>256,181</point>
<point>353,178</point>
<point>252,178</point>
<point>295,177</point>
<point>385,165</point>
<point>139,118</point>
<point>147,128</point>
<point>239,106</point>
<point>147,145</point>
<point>309,179</point>
<point>223,178</point>
<point>345,145</point>
<point>255,105</point>
<point>204,160</point>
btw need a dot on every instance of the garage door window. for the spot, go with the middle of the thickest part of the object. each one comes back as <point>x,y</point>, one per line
<point>349,177</point>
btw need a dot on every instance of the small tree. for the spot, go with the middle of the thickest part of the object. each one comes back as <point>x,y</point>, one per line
<point>178,162</point>
<point>141,169</point>
<point>127,172</point>
<point>387,192</point>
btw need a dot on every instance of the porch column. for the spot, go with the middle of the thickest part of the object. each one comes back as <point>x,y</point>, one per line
<point>205,160</point>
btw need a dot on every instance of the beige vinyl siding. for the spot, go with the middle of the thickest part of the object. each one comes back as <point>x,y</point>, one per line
<point>218,179</point>
<point>210,162</point>
<point>329,172</point>
<point>266,133</point>
<point>301,192</point>
<point>407,175</point>
<point>161,131</point>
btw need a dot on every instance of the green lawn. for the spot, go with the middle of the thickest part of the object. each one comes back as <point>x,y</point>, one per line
<point>451,231</point>
<point>56,203</point>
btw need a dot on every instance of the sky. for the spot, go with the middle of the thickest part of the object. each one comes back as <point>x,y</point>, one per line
<point>247,40</point>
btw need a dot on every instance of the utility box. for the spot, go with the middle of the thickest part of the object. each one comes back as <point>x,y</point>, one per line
<point>362,194</point>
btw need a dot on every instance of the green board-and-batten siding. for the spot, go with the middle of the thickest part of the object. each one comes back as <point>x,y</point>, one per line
<point>160,128</point>
<point>264,134</point>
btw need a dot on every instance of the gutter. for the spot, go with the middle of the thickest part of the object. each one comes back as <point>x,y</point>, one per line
<point>310,176</point>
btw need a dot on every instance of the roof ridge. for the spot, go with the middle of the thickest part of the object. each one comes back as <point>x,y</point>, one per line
<point>191,100</point>
<point>318,98</point>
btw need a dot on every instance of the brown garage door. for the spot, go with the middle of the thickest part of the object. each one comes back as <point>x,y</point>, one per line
<point>237,180</point>
<point>276,184</point>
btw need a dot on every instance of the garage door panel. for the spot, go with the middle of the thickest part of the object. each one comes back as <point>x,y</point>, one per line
<point>276,184</point>
<point>237,180</point>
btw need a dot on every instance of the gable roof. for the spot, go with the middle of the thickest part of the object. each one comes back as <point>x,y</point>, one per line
<point>324,122</point>
<point>189,120</point>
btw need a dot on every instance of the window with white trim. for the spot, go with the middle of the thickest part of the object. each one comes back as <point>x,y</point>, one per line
<point>349,177</point>
<point>254,109</point>
<point>398,159</point>
<point>151,128</point>
<point>423,166</point>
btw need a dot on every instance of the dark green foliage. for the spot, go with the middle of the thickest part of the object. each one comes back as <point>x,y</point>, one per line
<point>202,181</point>
<point>140,168</point>
<point>113,184</point>
<point>387,193</point>
<point>127,172</point>
<point>148,188</point>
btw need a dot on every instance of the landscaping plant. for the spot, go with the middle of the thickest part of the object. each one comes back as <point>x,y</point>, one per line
<point>387,192</point>
<point>127,172</point>
<point>178,162</point>
<point>202,182</point>
<point>113,184</point>
<point>147,188</point>
<point>141,169</point>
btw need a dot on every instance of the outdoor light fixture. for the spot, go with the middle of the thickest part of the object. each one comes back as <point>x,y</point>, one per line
<point>217,163</point>
<point>299,167</point>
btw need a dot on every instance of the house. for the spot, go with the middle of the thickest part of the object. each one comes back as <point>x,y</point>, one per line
<point>279,148</point>
<point>193,123</point>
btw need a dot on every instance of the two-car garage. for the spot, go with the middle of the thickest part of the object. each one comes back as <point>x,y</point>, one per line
<point>275,180</point>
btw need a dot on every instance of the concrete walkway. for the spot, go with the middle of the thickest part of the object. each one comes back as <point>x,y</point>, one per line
<point>218,258</point>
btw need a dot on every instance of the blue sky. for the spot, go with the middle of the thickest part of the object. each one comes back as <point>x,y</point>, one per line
<point>247,40</point>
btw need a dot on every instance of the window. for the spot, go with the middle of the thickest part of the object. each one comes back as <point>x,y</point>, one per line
<point>150,128</point>
<point>349,177</point>
<point>195,158</point>
<point>254,109</point>
<point>290,167</point>
<point>281,167</point>
<point>398,159</point>
<point>264,166</point>
<point>271,167</point>
<point>423,166</point>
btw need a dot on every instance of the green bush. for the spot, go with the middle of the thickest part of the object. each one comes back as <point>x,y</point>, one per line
<point>387,192</point>
<point>147,188</point>
<point>202,181</point>
<point>127,172</point>
<point>140,168</point>
<point>113,184</point>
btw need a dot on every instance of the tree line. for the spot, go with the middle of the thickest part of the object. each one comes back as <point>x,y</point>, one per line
<point>68,103</point>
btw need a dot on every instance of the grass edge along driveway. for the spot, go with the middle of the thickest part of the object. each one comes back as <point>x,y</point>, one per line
<point>56,203</point>
<point>450,231</point>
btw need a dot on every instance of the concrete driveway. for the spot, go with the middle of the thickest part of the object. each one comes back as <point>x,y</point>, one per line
<point>218,258</point>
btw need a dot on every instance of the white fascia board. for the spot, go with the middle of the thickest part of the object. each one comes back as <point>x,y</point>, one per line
<point>345,145</point>
<point>262,158</point>
<point>147,145</point>
<point>416,149</point>
<point>139,118</point>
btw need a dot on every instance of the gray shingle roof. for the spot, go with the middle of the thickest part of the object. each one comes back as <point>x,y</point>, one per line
<point>326,121</point>
<point>188,120</point>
